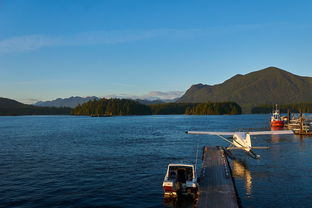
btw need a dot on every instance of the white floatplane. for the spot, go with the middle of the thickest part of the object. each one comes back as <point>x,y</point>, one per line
<point>241,140</point>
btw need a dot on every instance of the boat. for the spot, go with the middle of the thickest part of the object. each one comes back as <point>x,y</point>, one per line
<point>301,126</point>
<point>276,120</point>
<point>180,179</point>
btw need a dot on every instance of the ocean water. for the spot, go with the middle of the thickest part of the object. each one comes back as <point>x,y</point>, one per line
<point>67,161</point>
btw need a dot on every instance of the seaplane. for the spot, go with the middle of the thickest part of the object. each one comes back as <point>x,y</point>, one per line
<point>241,140</point>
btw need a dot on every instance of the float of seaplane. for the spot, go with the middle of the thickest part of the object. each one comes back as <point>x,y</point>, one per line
<point>241,140</point>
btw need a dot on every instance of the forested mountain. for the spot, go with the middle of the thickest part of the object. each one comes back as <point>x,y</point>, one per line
<point>9,103</point>
<point>12,107</point>
<point>268,86</point>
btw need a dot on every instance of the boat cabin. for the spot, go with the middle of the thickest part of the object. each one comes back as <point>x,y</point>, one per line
<point>180,179</point>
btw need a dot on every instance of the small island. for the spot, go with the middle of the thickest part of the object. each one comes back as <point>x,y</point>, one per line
<point>123,107</point>
<point>111,107</point>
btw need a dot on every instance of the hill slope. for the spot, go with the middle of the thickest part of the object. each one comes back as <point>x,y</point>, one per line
<point>10,107</point>
<point>268,86</point>
<point>9,103</point>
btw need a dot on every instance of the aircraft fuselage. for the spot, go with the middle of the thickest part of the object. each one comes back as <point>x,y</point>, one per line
<point>242,140</point>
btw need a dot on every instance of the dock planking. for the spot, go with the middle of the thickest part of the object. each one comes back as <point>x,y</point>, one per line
<point>216,184</point>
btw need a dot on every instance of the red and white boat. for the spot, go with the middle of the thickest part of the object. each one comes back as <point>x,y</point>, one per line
<point>180,179</point>
<point>276,120</point>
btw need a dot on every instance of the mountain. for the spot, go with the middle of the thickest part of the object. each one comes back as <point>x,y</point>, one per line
<point>268,86</point>
<point>9,103</point>
<point>149,102</point>
<point>158,101</point>
<point>10,107</point>
<point>70,102</point>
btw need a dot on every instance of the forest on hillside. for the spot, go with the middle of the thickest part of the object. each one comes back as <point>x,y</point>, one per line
<point>119,107</point>
<point>221,108</point>
<point>295,108</point>
<point>111,107</point>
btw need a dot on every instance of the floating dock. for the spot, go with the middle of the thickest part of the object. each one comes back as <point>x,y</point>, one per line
<point>300,125</point>
<point>303,133</point>
<point>217,188</point>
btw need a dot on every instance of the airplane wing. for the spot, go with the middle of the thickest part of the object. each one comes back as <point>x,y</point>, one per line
<point>210,132</point>
<point>270,132</point>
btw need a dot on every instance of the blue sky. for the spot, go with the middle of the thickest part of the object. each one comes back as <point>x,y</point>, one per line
<point>51,49</point>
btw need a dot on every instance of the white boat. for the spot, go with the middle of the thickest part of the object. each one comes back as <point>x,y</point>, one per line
<point>180,179</point>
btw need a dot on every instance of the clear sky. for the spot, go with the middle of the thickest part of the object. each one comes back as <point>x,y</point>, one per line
<point>62,48</point>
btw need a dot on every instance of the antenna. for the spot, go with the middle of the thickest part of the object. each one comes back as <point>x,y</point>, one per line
<point>196,158</point>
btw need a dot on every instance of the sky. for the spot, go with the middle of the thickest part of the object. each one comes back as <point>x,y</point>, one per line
<point>61,48</point>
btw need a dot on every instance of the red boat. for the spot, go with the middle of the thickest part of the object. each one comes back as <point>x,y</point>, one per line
<point>276,120</point>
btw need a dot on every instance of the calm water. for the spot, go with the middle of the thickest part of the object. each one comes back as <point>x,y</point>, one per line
<point>63,161</point>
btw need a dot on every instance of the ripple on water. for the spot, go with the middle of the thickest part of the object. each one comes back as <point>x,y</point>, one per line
<point>64,161</point>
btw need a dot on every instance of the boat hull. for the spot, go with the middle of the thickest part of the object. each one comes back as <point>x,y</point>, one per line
<point>277,123</point>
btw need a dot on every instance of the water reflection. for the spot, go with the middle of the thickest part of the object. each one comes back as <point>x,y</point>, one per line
<point>240,170</point>
<point>286,138</point>
<point>275,139</point>
<point>179,202</point>
<point>277,128</point>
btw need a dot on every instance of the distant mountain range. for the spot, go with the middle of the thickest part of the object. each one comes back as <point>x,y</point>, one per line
<point>72,102</point>
<point>158,101</point>
<point>268,86</point>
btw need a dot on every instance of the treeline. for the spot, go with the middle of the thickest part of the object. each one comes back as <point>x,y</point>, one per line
<point>34,110</point>
<point>221,108</point>
<point>295,108</point>
<point>170,108</point>
<point>118,107</point>
<point>230,108</point>
<point>111,107</point>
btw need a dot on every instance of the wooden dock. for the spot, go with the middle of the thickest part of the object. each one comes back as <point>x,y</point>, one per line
<point>217,188</point>
<point>303,133</point>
